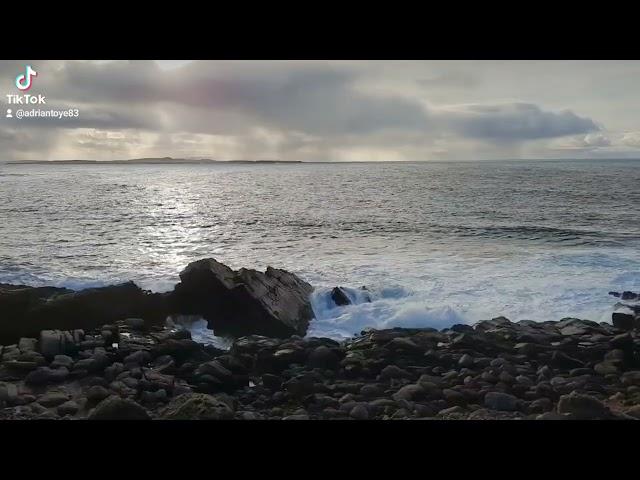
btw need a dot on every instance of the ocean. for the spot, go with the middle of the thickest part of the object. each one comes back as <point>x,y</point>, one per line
<point>435,243</point>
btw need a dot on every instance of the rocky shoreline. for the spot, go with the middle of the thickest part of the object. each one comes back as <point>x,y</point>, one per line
<point>137,368</point>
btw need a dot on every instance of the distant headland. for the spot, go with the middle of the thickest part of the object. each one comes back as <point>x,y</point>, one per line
<point>143,161</point>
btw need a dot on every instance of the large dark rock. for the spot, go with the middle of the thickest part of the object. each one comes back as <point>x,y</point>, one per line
<point>244,302</point>
<point>339,297</point>
<point>624,320</point>
<point>25,311</point>
<point>583,407</point>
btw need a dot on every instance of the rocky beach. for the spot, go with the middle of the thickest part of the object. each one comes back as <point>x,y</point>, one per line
<point>118,353</point>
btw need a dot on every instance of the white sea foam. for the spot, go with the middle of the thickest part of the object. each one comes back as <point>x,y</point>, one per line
<point>200,331</point>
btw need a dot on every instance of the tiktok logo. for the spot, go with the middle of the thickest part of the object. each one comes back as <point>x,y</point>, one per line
<point>23,81</point>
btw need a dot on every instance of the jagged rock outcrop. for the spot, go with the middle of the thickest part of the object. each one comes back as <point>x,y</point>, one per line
<point>25,311</point>
<point>244,302</point>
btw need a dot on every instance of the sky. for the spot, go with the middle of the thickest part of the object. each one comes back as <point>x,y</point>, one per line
<point>326,110</point>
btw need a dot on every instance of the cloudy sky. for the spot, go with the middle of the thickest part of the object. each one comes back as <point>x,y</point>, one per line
<point>329,111</point>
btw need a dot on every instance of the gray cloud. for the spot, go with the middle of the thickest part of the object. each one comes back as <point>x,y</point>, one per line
<point>289,110</point>
<point>516,121</point>
<point>318,98</point>
<point>448,79</point>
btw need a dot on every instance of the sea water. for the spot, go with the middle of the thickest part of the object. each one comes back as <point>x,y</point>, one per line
<point>434,243</point>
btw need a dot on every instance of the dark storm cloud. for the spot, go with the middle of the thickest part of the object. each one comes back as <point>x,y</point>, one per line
<point>516,122</point>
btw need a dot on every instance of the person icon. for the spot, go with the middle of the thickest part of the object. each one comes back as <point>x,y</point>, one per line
<point>9,115</point>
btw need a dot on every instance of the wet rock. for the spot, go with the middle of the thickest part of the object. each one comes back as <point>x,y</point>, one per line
<point>197,406</point>
<point>52,399</point>
<point>8,393</point>
<point>324,358</point>
<point>624,320</point>
<point>56,342</point>
<point>454,397</point>
<point>62,361</point>
<point>300,386</point>
<point>410,392</point>
<point>466,361</point>
<point>296,417</point>
<point>541,405</point>
<point>339,297</point>
<point>139,357</point>
<point>631,378</point>
<point>582,407</point>
<point>404,345</point>
<point>272,382</point>
<point>29,311</point>
<point>216,370</point>
<point>112,371</point>
<point>96,363</point>
<point>97,393</point>
<point>551,416</point>
<point>606,368</point>
<point>371,391</point>
<point>623,342</point>
<point>159,396</point>
<point>68,408</point>
<point>116,408</point>
<point>359,412</point>
<point>633,411</point>
<point>46,375</point>
<point>178,349</point>
<point>27,344</point>
<point>15,302</point>
<point>562,360</point>
<point>393,371</point>
<point>244,302</point>
<point>501,401</point>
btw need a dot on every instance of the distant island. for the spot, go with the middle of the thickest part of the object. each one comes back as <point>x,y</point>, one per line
<point>143,161</point>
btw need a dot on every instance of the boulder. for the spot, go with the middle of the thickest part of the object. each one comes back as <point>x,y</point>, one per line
<point>501,401</point>
<point>53,399</point>
<point>563,360</point>
<point>46,375</point>
<point>410,392</point>
<point>68,408</point>
<point>339,297</point>
<point>197,406</point>
<point>624,319</point>
<point>272,382</point>
<point>97,393</point>
<point>116,408</point>
<point>243,302</point>
<point>62,361</point>
<point>323,357</point>
<point>57,342</point>
<point>583,407</point>
<point>466,361</point>
<point>359,412</point>
<point>27,344</point>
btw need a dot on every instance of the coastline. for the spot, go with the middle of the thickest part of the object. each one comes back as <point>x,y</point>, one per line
<point>142,368</point>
